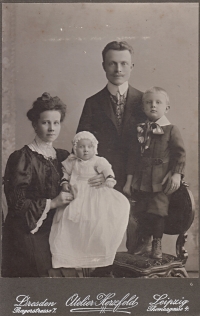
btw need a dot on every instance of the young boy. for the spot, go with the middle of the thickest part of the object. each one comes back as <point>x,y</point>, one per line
<point>158,169</point>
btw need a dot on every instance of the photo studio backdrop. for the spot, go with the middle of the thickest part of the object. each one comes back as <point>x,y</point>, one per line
<point>56,48</point>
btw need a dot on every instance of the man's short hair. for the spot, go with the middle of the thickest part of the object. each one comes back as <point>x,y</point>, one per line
<point>159,90</point>
<point>116,46</point>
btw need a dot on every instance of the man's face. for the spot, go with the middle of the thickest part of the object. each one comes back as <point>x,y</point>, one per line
<point>118,66</point>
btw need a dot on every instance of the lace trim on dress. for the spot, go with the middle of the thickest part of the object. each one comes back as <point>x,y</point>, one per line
<point>43,148</point>
<point>42,218</point>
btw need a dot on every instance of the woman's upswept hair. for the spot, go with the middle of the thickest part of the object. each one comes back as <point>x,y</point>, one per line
<point>157,89</point>
<point>46,103</point>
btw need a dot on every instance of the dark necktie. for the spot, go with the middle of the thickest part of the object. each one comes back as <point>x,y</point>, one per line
<point>119,102</point>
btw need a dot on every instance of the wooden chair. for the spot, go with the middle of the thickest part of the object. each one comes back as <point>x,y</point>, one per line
<point>179,220</point>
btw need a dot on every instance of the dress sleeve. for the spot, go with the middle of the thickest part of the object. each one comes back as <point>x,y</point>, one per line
<point>17,186</point>
<point>67,166</point>
<point>177,152</point>
<point>104,167</point>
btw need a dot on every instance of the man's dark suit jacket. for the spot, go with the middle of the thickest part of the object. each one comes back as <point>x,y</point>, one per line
<point>99,118</point>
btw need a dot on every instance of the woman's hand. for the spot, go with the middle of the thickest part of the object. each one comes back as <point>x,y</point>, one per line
<point>97,180</point>
<point>62,199</point>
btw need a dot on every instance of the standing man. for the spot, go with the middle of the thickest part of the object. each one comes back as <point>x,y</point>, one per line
<point>112,113</point>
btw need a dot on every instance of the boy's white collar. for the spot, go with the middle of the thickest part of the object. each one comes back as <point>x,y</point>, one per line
<point>163,121</point>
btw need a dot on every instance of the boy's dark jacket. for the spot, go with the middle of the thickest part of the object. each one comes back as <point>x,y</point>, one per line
<point>166,152</point>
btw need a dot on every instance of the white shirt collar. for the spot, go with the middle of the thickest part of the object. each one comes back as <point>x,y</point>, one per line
<point>163,121</point>
<point>113,88</point>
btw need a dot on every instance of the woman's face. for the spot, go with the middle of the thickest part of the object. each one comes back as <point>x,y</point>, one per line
<point>48,126</point>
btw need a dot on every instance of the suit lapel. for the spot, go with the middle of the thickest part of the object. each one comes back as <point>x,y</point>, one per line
<point>129,106</point>
<point>105,103</point>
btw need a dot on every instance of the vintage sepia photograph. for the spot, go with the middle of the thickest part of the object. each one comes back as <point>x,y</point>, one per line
<point>99,145</point>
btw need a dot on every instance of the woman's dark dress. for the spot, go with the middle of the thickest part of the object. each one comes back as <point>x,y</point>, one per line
<point>30,180</point>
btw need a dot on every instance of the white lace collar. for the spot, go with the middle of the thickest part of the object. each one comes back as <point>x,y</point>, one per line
<point>44,148</point>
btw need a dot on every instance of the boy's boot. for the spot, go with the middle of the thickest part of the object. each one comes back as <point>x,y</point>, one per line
<point>156,249</point>
<point>145,246</point>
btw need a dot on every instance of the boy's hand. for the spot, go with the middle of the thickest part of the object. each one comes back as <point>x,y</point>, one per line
<point>173,182</point>
<point>127,189</point>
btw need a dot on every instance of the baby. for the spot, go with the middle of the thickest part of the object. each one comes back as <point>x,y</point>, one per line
<point>88,232</point>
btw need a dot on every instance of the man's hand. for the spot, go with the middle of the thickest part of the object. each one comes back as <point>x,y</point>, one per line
<point>127,189</point>
<point>97,180</point>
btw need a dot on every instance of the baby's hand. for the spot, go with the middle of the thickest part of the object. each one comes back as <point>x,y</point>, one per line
<point>110,182</point>
<point>65,187</point>
<point>127,189</point>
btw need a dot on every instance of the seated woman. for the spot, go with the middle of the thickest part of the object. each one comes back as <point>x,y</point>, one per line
<point>32,189</point>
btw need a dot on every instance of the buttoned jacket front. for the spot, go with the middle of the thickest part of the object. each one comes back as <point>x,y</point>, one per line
<point>166,152</point>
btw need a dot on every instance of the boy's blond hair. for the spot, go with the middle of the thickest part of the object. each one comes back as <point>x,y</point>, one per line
<point>157,89</point>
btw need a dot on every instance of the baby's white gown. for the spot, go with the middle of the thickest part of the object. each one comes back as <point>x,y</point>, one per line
<point>88,232</point>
